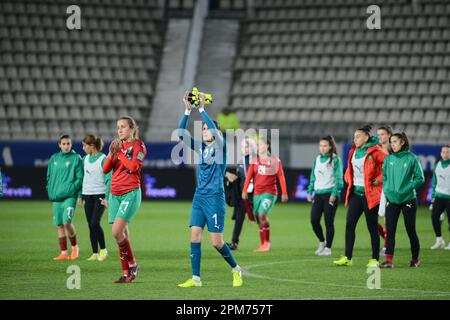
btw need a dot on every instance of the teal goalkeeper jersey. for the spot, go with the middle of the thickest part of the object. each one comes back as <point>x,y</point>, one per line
<point>213,158</point>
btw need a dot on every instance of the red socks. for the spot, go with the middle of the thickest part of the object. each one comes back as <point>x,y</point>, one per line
<point>73,240</point>
<point>126,255</point>
<point>266,230</point>
<point>262,237</point>
<point>389,258</point>
<point>63,243</point>
<point>264,233</point>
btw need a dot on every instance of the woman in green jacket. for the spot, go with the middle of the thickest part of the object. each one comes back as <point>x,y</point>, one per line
<point>441,196</point>
<point>402,175</point>
<point>64,181</point>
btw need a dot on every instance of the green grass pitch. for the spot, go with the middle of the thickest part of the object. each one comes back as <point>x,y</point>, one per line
<point>160,238</point>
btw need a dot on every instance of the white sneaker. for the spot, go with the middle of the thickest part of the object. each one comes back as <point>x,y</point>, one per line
<point>447,247</point>
<point>440,243</point>
<point>322,246</point>
<point>325,252</point>
<point>383,252</point>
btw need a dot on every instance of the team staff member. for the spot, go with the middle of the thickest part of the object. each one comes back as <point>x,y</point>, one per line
<point>248,148</point>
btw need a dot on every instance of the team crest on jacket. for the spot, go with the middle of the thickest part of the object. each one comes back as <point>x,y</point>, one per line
<point>67,164</point>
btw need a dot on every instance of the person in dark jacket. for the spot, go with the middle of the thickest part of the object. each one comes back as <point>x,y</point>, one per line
<point>237,180</point>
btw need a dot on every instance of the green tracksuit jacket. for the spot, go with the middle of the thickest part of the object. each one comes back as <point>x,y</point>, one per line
<point>402,175</point>
<point>64,176</point>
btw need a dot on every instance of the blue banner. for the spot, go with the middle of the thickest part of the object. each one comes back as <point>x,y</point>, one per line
<point>36,154</point>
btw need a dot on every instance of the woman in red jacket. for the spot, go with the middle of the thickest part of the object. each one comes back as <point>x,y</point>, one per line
<point>364,179</point>
<point>125,158</point>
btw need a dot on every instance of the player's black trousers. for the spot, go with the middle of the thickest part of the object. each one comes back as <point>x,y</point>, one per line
<point>94,211</point>
<point>409,210</point>
<point>357,205</point>
<point>319,206</point>
<point>439,206</point>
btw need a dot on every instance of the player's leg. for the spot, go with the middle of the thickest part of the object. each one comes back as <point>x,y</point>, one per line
<point>436,211</point>
<point>372,226</point>
<point>128,206</point>
<point>69,206</point>
<point>196,223</point>
<point>267,202</point>
<point>316,215</point>
<point>62,237</point>
<point>257,207</point>
<point>329,214</point>
<point>392,215</point>
<point>224,250</point>
<point>96,227</point>
<point>265,231</point>
<point>409,216</point>
<point>89,210</point>
<point>354,212</point>
<point>118,232</point>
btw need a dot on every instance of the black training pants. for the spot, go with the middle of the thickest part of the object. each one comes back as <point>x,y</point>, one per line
<point>357,205</point>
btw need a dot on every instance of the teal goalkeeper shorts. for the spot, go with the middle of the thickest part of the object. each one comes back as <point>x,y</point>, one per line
<point>64,211</point>
<point>124,206</point>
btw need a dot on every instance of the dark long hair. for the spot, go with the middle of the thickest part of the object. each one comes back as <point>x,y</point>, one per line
<point>332,144</point>
<point>402,136</point>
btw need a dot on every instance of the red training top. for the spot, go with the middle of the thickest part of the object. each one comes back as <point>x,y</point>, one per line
<point>126,166</point>
<point>265,172</point>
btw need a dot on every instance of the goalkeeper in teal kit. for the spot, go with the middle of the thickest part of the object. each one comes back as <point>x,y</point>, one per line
<point>208,205</point>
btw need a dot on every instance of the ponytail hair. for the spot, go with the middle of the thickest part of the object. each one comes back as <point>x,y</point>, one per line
<point>132,124</point>
<point>402,136</point>
<point>95,141</point>
<point>332,143</point>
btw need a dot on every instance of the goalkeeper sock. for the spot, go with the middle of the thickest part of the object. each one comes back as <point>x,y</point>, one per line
<point>227,255</point>
<point>196,255</point>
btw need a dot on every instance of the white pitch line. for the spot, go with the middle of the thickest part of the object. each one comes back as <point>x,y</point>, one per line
<point>255,275</point>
